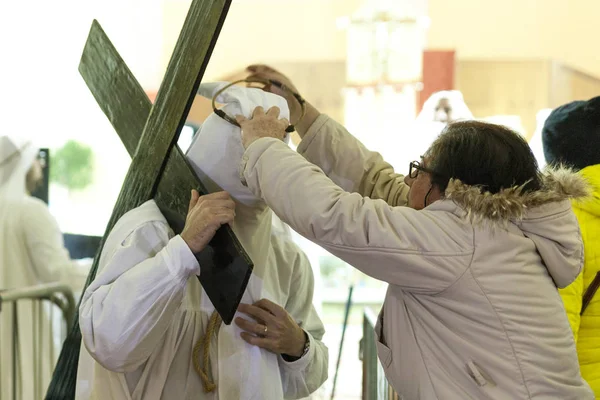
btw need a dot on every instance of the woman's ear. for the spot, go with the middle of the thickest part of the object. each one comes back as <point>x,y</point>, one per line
<point>434,194</point>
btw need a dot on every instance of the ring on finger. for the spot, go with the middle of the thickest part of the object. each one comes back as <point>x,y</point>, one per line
<point>264,332</point>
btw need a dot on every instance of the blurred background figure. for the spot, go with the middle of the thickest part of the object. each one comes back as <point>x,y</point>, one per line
<point>571,136</point>
<point>31,253</point>
<point>445,106</point>
<point>438,110</point>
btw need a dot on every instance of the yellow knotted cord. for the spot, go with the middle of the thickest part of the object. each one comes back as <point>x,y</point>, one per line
<point>204,343</point>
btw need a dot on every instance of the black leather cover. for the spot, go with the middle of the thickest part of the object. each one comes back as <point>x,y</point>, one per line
<point>225,268</point>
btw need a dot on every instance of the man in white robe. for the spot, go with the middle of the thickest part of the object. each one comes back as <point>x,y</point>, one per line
<point>145,316</point>
<point>440,109</point>
<point>32,252</point>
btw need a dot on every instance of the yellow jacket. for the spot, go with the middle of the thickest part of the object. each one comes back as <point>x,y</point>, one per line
<point>586,328</point>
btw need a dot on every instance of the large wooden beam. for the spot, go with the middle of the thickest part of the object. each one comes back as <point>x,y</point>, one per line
<point>127,107</point>
<point>175,97</point>
<point>113,85</point>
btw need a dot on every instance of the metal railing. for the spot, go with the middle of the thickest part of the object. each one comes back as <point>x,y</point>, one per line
<point>375,385</point>
<point>29,324</point>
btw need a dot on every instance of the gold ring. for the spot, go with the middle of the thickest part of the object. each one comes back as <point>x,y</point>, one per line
<point>266,329</point>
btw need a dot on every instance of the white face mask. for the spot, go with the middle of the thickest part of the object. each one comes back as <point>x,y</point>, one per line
<point>216,151</point>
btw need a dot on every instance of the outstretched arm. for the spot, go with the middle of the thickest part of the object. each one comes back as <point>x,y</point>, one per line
<point>342,157</point>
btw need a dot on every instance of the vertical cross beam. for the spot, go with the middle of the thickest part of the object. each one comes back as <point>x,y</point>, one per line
<point>120,96</point>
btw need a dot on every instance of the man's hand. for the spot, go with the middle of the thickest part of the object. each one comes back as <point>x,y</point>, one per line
<point>275,330</point>
<point>205,215</point>
<point>262,125</point>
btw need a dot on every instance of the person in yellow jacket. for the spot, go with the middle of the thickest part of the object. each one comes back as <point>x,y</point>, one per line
<point>571,136</point>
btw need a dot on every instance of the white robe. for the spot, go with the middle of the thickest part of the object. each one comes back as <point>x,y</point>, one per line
<point>145,311</point>
<point>31,252</point>
<point>425,129</point>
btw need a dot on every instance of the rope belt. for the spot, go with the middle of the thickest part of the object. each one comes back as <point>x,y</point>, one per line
<point>204,343</point>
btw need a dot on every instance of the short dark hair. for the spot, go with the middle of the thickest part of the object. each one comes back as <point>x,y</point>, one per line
<point>489,156</point>
<point>571,134</point>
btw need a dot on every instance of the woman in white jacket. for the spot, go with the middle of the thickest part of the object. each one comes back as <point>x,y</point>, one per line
<point>145,317</point>
<point>473,263</point>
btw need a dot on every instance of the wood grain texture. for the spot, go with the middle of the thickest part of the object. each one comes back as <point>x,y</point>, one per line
<point>115,88</point>
<point>172,104</point>
<point>165,120</point>
<point>117,92</point>
<point>127,107</point>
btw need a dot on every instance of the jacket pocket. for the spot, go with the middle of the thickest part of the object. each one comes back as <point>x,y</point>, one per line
<point>479,376</point>
<point>383,352</point>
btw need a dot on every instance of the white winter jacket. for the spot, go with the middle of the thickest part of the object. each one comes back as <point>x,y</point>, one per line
<point>472,310</point>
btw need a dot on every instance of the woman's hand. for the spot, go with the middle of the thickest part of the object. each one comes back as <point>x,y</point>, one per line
<point>265,72</point>
<point>274,330</point>
<point>262,125</point>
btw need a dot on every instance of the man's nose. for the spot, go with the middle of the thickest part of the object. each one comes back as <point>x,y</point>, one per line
<point>408,180</point>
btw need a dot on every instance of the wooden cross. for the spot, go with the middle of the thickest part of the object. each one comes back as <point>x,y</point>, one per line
<point>159,170</point>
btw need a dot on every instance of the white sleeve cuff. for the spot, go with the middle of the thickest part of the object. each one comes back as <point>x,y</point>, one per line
<point>301,363</point>
<point>179,258</point>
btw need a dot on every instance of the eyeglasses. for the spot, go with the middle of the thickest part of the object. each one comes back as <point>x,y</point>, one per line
<point>415,167</point>
<point>265,83</point>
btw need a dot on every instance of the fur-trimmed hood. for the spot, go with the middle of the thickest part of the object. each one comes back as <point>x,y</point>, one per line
<point>511,204</point>
<point>544,216</point>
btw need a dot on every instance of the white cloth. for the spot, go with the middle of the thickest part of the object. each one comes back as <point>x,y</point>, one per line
<point>31,252</point>
<point>428,125</point>
<point>431,112</point>
<point>145,310</point>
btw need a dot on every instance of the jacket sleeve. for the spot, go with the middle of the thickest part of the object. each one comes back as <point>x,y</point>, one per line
<point>350,165</point>
<point>572,297</point>
<point>45,244</point>
<point>127,309</point>
<point>417,250</point>
<point>302,377</point>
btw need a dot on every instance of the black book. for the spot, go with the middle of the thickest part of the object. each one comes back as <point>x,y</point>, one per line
<point>225,266</point>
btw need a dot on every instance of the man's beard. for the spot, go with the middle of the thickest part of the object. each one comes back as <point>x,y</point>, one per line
<point>31,184</point>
